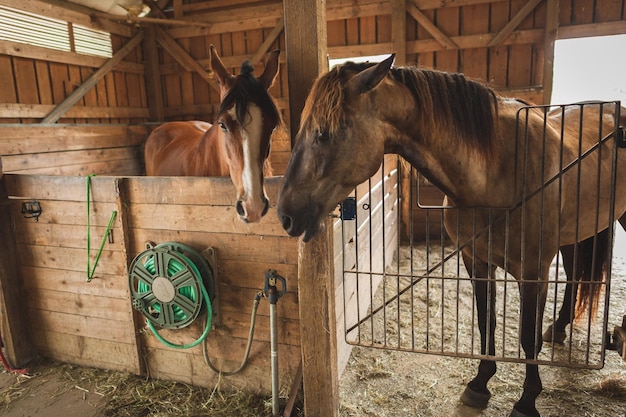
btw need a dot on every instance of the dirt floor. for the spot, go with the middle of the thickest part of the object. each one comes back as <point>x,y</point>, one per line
<point>377,383</point>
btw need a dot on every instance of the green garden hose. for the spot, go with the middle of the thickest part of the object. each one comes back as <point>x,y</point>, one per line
<point>185,302</point>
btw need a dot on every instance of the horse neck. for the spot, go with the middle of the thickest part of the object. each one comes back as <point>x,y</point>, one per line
<point>435,150</point>
<point>211,151</point>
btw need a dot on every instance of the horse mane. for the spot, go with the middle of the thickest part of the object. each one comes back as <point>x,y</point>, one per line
<point>249,89</point>
<point>452,100</point>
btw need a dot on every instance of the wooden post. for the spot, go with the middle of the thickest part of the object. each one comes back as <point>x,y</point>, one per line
<point>305,36</point>
<point>318,324</point>
<point>15,330</point>
<point>551,34</point>
<point>153,76</point>
<point>398,30</point>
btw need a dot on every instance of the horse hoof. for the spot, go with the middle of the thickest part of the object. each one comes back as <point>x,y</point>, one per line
<point>559,337</point>
<point>475,399</point>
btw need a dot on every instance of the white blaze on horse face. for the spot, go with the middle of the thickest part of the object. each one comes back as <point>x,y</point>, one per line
<point>253,200</point>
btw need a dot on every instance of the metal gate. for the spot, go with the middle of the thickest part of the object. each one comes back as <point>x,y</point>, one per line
<point>405,285</point>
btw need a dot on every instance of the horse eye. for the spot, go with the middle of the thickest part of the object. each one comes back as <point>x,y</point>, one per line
<point>322,136</point>
<point>222,126</point>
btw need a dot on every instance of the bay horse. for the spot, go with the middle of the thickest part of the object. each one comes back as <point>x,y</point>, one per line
<point>463,138</point>
<point>238,144</point>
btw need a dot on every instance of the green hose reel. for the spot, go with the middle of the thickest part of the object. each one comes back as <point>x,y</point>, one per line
<point>168,284</point>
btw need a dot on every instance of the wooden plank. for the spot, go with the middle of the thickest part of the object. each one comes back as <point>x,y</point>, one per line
<point>87,327</point>
<point>120,167</point>
<point>27,139</point>
<point>105,307</point>
<point>46,279</point>
<point>91,82</point>
<point>71,259</point>
<point>16,334</point>
<point>85,351</point>
<point>30,162</point>
<point>70,236</point>
<point>87,112</point>
<point>262,249</point>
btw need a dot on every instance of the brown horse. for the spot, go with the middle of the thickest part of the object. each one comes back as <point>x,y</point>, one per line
<point>238,144</point>
<point>495,166</point>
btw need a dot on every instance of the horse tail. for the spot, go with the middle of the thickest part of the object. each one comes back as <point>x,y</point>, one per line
<point>592,265</point>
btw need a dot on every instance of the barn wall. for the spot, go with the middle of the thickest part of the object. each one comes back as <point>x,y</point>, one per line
<point>505,43</point>
<point>94,324</point>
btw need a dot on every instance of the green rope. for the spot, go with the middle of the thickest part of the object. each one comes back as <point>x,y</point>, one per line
<point>91,272</point>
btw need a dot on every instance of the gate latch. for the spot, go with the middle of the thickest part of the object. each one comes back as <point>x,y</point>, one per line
<point>348,208</point>
<point>31,210</point>
<point>621,136</point>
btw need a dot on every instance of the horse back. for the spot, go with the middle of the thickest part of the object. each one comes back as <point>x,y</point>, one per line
<point>182,149</point>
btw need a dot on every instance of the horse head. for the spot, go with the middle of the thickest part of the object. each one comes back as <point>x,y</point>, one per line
<point>247,117</point>
<point>339,145</point>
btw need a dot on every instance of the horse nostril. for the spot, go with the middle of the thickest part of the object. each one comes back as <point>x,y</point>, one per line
<point>286,222</point>
<point>240,210</point>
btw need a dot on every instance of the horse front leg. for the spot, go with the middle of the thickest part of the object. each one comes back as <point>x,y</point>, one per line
<point>476,393</point>
<point>533,297</point>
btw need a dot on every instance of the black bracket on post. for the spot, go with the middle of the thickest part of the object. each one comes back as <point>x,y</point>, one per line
<point>621,136</point>
<point>348,208</point>
<point>31,210</point>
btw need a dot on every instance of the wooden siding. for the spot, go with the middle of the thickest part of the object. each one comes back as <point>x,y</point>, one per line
<point>93,323</point>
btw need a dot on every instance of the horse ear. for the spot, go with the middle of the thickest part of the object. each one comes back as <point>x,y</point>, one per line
<point>221,73</point>
<point>371,77</point>
<point>271,70</point>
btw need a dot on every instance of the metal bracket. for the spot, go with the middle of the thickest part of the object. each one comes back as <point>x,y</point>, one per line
<point>348,208</point>
<point>621,137</point>
<point>31,210</point>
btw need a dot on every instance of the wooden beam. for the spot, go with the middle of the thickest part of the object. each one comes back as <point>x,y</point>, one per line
<point>15,327</point>
<point>73,98</point>
<point>514,23</point>
<point>269,40</point>
<point>38,111</point>
<point>430,27</point>
<point>318,324</point>
<point>398,30</point>
<point>182,57</point>
<point>552,29</point>
<point>305,35</point>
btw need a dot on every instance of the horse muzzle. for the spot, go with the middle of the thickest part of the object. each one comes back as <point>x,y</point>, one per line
<point>250,212</point>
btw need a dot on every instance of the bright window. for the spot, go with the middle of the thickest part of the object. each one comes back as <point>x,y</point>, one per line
<point>29,28</point>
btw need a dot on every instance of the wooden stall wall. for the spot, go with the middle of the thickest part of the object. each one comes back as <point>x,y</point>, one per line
<point>66,113</point>
<point>93,323</point>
